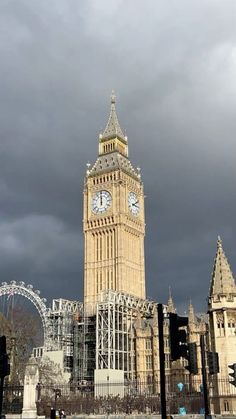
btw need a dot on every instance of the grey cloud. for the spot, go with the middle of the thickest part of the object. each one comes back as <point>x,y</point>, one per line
<point>173,68</point>
<point>32,247</point>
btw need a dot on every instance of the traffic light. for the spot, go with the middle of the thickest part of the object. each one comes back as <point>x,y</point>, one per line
<point>233,374</point>
<point>3,345</point>
<point>213,362</point>
<point>4,365</point>
<point>192,358</point>
<point>178,336</point>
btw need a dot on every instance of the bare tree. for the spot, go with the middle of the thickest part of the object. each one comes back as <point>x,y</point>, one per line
<point>23,332</point>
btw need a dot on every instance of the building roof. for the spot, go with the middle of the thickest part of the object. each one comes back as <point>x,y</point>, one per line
<point>113,161</point>
<point>113,128</point>
<point>222,281</point>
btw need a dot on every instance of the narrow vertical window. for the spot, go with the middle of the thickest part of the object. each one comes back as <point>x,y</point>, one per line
<point>111,275</point>
<point>111,245</point>
<point>108,280</point>
<point>97,283</point>
<point>100,281</point>
<point>100,247</point>
<point>226,405</point>
<point>108,245</point>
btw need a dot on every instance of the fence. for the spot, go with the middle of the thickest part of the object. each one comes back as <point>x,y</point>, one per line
<point>13,398</point>
<point>138,397</point>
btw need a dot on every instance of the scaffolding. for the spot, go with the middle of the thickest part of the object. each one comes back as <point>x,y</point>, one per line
<point>115,317</point>
<point>89,347</point>
<point>106,340</point>
<point>84,348</point>
<point>78,343</point>
<point>60,331</point>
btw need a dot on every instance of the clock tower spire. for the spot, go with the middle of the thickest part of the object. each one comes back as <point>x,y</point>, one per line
<point>112,138</point>
<point>113,222</point>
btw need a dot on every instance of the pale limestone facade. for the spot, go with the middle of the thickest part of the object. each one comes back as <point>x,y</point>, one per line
<point>30,391</point>
<point>147,352</point>
<point>222,322</point>
<point>114,229</point>
<point>219,326</point>
<point>147,348</point>
<point>113,223</point>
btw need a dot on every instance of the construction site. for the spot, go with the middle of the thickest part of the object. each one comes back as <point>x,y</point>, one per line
<point>103,341</point>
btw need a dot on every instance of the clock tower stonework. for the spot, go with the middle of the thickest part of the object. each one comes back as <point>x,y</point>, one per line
<point>113,222</point>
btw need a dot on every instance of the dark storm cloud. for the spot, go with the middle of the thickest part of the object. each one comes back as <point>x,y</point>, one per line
<point>173,67</point>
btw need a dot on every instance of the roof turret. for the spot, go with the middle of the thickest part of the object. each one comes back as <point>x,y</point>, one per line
<point>222,281</point>
<point>170,303</point>
<point>191,314</point>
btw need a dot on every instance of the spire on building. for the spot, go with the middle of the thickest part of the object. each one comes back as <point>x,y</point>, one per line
<point>170,303</point>
<point>191,315</point>
<point>222,281</point>
<point>113,128</point>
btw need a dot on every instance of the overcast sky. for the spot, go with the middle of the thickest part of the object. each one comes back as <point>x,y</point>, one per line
<point>172,65</point>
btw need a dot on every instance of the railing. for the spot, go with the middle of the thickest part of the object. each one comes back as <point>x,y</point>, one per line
<point>13,398</point>
<point>137,397</point>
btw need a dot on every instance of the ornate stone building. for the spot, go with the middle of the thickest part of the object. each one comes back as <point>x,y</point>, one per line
<point>114,224</point>
<point>114,273</point>
<point>123,320</point>
<point>119,331</point>
<point>222,324</point>
<point>222,311</point>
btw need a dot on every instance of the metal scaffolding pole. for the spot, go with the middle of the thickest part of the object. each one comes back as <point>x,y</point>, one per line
<point>115,317</point>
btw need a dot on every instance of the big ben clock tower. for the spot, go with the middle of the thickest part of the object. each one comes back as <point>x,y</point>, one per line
<point>113,222</point>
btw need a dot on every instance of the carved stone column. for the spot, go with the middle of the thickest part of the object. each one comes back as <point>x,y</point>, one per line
<point>30,382</point>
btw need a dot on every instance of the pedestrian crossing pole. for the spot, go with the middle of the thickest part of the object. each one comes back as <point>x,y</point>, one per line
<point>204,377</point>
<point>162,360</point>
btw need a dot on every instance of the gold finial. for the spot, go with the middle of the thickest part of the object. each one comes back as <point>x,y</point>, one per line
<point>113,97</point>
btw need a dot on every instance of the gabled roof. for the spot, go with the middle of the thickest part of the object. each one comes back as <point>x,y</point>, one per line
<point>222,281</point>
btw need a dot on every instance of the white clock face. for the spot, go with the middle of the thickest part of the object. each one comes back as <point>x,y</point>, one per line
<point>133,203</point>
<point>101,202</point>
